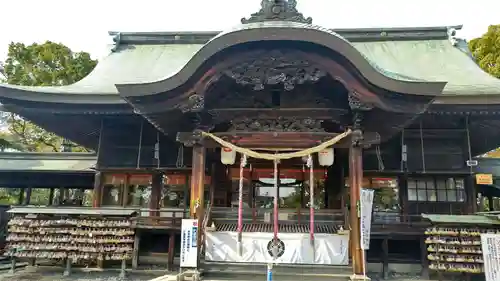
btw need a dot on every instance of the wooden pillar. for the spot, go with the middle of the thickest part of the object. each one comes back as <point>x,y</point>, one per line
<point>20,199</point>
<point>51,196</point>
<point>97,193</point>
<point>171,251</point>
<point>480,208</point>
<point>213,181</point>
<point>61,195</point>
<point>27,200</point>
<point>124,200</point>
<point>196,204</point>
<point>154,201</point>
<point>355,182</point>
<point>471,194</point>
<point>186,196</point>
<point>403,197</point>
<point>424,274</point>
<point>135,253</point>
<point>385,258</point>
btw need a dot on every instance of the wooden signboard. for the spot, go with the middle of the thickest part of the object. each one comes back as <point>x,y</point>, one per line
<point>484,179</point>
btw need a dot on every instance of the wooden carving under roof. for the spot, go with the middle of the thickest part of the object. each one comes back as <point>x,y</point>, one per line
<point>280,124</point>
<point>274,67</point>
<point>306,96</point>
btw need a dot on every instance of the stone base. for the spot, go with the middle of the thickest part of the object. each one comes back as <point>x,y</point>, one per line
<point>355,277</point>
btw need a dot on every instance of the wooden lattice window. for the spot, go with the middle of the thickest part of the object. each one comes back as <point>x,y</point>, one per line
<point>436,190</point>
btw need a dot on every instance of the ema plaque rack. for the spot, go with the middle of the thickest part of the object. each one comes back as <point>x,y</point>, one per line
<point>75,235</point>
<point>456,250</point>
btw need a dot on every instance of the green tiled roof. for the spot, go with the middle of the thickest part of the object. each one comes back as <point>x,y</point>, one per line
<point>422,60</point>
<point>431,60</point>
<point>461,219</point>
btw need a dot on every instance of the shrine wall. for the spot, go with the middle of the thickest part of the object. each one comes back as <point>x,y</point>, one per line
<point>436,153</point>
<point>129,146</point>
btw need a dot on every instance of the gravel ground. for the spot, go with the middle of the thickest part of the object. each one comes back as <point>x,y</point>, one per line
<point>39,274</point>
<point>55,274</point>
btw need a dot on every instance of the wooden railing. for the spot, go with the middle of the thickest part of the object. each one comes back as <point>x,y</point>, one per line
<point>207,220</point>
<point>229,215</point>
<point>381,221</point>
<point>164,218</point>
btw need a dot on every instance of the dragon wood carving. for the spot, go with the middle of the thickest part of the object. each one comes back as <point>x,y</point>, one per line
<point>280,124</point>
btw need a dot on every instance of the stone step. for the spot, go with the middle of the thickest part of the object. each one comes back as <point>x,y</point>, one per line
<point>289,272</point>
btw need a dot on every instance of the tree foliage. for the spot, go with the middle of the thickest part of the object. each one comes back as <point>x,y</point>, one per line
<point>486,50</point>
<point>47,64</point>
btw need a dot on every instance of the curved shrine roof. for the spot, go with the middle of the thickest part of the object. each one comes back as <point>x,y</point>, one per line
<point>401,54</point>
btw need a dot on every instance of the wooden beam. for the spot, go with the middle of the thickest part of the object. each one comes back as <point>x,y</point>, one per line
<point>274,140</point>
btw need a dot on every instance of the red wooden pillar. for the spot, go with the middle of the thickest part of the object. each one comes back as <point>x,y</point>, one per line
<point>355,182</point>
<point>197,182</point>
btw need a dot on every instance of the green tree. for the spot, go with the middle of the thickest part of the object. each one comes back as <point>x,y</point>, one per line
<point>7,143</point>
<point>47,64</point>
<point>486,50</point>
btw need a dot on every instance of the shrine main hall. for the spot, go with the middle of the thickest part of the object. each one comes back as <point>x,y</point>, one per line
<point>272,129</point>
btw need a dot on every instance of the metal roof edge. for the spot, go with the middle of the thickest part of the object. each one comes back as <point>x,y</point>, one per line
<point>55,95</point>
<point>485,99</point>
<point>351,34</point>
<point>49,155</point>
<point>459,219</point>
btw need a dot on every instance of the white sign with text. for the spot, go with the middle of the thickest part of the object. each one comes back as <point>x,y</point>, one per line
<point>366,206</point>
<point>189,243</point>
<point>490,244</point>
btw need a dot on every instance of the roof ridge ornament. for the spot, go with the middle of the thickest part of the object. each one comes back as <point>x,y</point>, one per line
<point>277,10</point>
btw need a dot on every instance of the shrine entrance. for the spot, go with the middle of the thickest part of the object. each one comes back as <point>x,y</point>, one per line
<point>280,212</point>
<point>282,125</point>
<point>282,201</point>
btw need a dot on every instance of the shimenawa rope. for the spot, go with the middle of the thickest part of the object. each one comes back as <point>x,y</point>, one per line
<point>277,156</point>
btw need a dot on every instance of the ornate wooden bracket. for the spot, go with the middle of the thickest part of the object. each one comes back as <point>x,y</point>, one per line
<point>194,103</point>
<point>190,139</point>
<point>356,104</point>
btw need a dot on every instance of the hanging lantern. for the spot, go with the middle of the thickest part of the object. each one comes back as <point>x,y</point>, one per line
<point>227,156</point>
<point>326,157</point>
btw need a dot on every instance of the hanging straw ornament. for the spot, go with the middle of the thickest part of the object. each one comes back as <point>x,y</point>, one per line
<point>310,165</point>
<point>243,163</point>
<point>275,215</point>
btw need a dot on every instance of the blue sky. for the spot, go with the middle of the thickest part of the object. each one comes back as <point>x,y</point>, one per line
<point>83,25</point>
